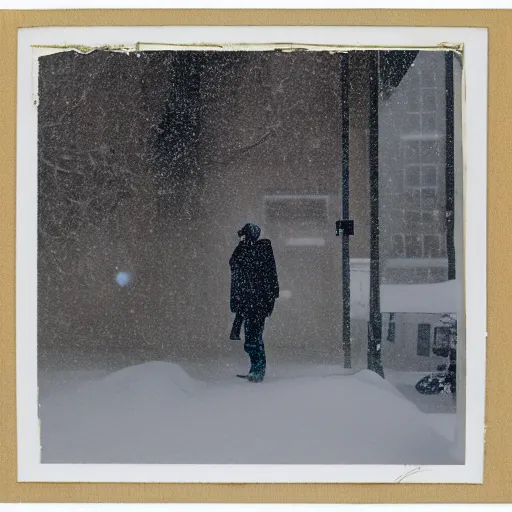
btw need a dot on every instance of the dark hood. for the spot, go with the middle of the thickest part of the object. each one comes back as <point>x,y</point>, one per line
<point>251,231</point>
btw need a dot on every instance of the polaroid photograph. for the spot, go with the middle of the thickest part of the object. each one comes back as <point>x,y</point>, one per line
<point>251,254</point>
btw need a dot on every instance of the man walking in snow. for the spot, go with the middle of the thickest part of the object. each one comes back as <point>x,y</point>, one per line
<point>254,289</point>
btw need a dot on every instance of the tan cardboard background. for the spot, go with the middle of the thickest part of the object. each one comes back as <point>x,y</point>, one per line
<point>498,448</point>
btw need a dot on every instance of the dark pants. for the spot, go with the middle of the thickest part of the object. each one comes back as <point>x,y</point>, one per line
<point>253,329</point>
<point>237,327</point>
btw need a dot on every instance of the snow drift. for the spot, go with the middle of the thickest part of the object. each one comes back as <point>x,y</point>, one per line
<point>156,413</point>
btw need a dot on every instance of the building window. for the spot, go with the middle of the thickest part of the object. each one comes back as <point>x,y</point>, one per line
<point>421,234</point>
<point>423,101</point>
<point>398,246</point>
<point>442,339</point>
<point>423,348</point>
<point>411,150</point>
<point>413,176</point>
<point>429,151</point>
<point>429,176</point>
<point>413,246</point>
<point>431,246</point>
<point>420,176</point>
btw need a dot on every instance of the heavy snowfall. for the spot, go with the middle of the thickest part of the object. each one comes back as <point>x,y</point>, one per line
<point>148,164</point>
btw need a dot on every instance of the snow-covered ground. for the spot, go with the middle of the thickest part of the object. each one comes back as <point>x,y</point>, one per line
<point>158,413</point>
<point>440,409</point>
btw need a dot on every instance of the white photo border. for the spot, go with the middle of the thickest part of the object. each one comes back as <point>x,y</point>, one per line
<point>474,41</point>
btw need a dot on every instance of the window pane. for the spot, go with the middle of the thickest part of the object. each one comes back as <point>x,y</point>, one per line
<point>441,345</point>
<point>429,176</point>
<point>428,123</point>
<point>412,151</point>
<point>397,246</point>
<point>431,244</point>
<point>412,199</point>
<point>430,69</point>
<point>429,100</point>
<point>428,151</point>
<point>413,101</point>
<point>413,247</point>
<point>423,348</point>
<point>428,199</point>
<point>412,176</point>
<point>413,123</point>
<point>412,221</point>
<point>429,220</point>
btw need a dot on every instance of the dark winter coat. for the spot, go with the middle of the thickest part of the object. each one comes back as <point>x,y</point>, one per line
<point>254,282</point>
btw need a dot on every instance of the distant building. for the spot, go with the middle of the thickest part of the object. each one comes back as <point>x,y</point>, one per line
<point>412,201</point>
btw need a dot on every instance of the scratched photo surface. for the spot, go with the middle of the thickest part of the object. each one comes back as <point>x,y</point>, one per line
<point>250,257</point>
